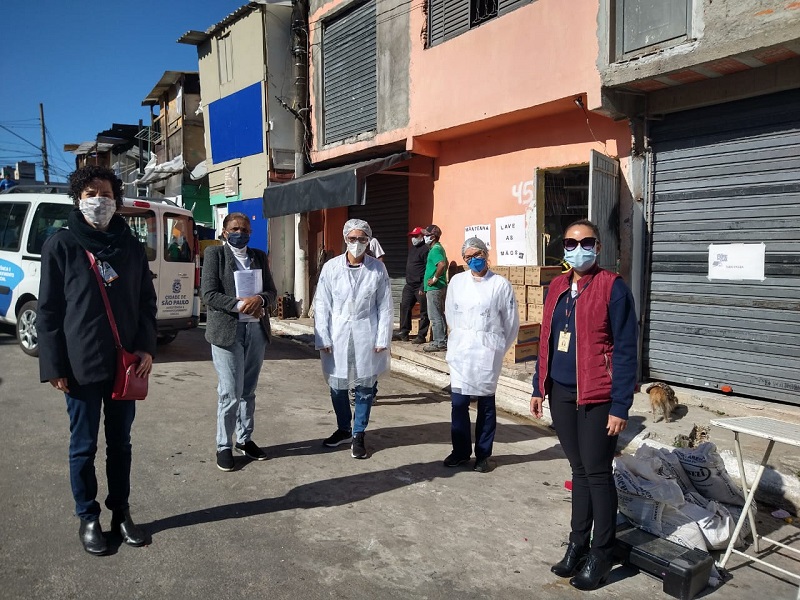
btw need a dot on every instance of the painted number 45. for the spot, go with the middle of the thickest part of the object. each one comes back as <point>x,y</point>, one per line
<point>523,191</point>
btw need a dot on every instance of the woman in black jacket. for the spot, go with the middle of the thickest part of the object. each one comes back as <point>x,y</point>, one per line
<point>77,352</point>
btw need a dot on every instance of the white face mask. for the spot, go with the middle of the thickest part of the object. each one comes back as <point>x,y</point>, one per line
<point>98,210</point>
<point>428,239</point>
<point>356,249</point>
<point>417,240</point>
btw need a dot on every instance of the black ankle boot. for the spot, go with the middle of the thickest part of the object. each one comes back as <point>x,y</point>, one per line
<point>92,538</point>
<point>132,534</point>
<point>572,562</point>
<point>594,574</point>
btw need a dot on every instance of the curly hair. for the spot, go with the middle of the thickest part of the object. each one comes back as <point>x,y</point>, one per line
<point>80,179</point>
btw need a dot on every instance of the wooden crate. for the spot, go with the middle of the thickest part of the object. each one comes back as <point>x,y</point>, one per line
<point>522,352</point>
<point>534,313</point>
<point>535,294</point>
<point>541,275</point>
<point>528,332</point>
<point>516,275</point>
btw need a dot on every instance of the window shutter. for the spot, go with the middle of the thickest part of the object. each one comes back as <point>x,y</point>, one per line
<point>349,73</point>
<point>506,6</point>
<point>447,19</point>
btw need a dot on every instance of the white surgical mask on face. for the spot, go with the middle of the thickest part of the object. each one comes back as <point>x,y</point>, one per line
<point>417,240</point>
<point>98,210</point>
<point>428,239</point>
<point>356,248</point>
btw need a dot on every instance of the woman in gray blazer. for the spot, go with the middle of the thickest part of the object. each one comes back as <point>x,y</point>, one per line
<point>238,330</point>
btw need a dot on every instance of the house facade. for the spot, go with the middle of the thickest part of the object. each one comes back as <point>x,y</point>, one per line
<point>245,72</point>
<point>712,90</point>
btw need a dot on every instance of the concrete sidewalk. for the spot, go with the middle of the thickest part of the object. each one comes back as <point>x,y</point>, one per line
<point>310,522</point>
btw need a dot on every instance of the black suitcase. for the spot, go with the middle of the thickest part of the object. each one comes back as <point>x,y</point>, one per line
<point>684,571</point>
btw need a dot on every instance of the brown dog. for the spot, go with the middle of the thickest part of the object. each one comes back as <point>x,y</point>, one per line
<point>662,399</point>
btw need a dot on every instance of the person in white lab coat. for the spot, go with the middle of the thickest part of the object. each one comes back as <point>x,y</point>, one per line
<point>482,314</point>
<point>353,315</point>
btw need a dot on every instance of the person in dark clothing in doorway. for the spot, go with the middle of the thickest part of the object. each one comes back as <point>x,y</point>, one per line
<point>413,291</point>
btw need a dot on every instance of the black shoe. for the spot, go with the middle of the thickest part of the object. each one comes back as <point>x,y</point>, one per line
<point>433,347</point>
<point>593,574</point>
<point>340,436</point>
<point>418,340</point>
<point>482,465</point>
<point>573,561</point>
<point>131,533</point>
<point>251,450</point>
<point>400,336</point>
<point>454,460</point>
<point>358,449</point>
<point>92,538</point>
<point>225,460</point>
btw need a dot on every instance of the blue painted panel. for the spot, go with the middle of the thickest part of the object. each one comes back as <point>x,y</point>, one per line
<point>236,125</point>
<point>254,209</point>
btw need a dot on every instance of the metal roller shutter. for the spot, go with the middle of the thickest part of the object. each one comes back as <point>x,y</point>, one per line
<point>727,174</point>
<point>386,211</point>
<point>349,74</point>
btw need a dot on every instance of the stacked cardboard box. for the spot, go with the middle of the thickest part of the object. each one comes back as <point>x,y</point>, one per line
<point>527,346</point>
<point>530,289</point>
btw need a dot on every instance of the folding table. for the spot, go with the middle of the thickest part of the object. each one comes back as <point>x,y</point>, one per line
<point>774,431</point>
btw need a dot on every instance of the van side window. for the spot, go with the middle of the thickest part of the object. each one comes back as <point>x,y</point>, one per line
<point>12,218</point>
<point>47,219</point>
<point>144,225</point>
<point>179,233</point>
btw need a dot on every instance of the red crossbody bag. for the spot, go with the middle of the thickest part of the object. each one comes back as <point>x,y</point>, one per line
<point>127,384</point>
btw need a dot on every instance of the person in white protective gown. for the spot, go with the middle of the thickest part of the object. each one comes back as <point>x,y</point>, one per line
<point>353,315</point>
<point>482,314</point>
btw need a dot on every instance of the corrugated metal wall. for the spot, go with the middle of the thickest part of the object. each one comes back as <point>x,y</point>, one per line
<point>350,84</point>
<point>727,174</point>
<point>386,211</point>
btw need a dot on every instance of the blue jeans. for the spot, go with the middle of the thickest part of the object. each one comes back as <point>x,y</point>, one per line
<point>84,405</point>
<point>485,426</point>
<point>238,367</point>
<point>341,406</point>
<point>436,315</point>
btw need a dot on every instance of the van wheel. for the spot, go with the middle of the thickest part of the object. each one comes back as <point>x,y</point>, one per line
<point>26,329</point>
<point>166,338</point>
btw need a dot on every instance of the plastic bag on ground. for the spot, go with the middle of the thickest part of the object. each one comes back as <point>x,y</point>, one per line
<point>641,477</point>
<point>708,474</point>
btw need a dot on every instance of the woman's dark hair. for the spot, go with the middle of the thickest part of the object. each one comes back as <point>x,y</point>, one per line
<point>585,223</point>
<point>80,179</point>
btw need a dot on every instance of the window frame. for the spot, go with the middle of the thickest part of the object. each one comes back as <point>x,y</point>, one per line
<point>618,24</point>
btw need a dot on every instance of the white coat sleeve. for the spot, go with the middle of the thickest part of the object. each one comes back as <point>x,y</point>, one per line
<point>322,312</point>
<point>509,314</point>
<point>385,310</point>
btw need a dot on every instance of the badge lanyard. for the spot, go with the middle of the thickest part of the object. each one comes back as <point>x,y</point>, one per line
<point>565,335</point>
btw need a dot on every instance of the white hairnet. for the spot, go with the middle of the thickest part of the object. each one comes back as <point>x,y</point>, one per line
<point>476,243</point>
<point>357,224</point>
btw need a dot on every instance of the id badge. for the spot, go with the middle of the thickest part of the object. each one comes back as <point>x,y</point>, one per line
<point>107,272</point>
<point>563,341</point>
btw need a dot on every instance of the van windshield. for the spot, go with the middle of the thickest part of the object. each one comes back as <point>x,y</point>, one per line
<point>179,238</point>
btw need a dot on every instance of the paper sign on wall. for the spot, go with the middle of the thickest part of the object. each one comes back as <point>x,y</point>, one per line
<point>736,262</point>
<point>511,240</point>
<point>483,232</point>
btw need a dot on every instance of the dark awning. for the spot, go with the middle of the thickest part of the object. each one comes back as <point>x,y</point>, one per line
<point>340,186</point>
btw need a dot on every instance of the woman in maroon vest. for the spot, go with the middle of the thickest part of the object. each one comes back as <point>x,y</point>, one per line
<point>589,331</point>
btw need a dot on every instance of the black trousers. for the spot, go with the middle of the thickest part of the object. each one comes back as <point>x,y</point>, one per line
<point>590,450</point>
<point>412,295</point>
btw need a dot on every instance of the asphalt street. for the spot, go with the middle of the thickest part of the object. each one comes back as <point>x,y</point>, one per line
<point>308,523</point>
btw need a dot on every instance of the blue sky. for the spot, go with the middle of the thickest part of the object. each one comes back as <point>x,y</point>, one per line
<point>90,64</point>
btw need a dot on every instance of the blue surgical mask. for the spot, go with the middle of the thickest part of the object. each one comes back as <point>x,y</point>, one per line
<point>238,239</point>
<point>477,263</point>
<point>580,259</point>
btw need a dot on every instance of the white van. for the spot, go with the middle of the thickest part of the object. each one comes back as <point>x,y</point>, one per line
<point>165,230</point>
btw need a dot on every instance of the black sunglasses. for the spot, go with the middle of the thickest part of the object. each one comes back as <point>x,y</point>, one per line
<point>587,243</point>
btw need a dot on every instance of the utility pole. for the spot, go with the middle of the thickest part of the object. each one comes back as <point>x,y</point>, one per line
<point>300,53</point>
<point>45,165</point>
